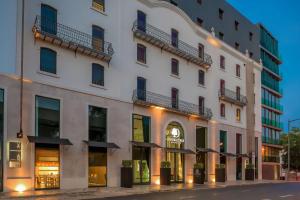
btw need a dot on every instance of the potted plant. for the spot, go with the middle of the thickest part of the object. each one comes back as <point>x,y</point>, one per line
<point>220,172</point>
<point>165,173</point>
<point>199,173</point>
<point>249,172</point>
<point>126,174</point>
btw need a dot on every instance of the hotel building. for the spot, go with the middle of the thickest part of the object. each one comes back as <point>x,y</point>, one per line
<point>86,85</point>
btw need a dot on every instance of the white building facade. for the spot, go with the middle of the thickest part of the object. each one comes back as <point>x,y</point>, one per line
<point>106,81</point>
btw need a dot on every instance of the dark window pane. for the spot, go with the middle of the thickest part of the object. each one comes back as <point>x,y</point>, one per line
<point>223,141</point>
<point>97,74</point>
<point>175,67</point>
<point>201,78</point>
<point>201,105</point>
<point>222,110</point>
<point>222,62</point>
<point>48,19</point>
<point>47,117</point>
<point>48,60</point>
<point>97,124</point>
<point>141,53</point>
<point>141,88</point>
<point>141,21</point>
<point>238,70</point>
<point>98,38</point>
<point>141,128</point>
<point>99,5</point>
<point>174,98</point>
<point>174,34</point>
<point>201,51</point>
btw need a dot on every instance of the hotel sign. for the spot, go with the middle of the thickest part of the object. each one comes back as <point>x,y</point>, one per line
<point>174,137</point>
<point>14,154</point>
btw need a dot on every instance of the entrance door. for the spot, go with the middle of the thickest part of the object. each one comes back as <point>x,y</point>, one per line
<point>177,166</point>
<point>47,167</point>
<point>201,157</point>
<point>239,160</point>
<point>97,167</point>
<point>141,165</point>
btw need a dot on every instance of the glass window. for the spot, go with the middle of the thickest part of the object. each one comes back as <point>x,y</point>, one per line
<point>141,128</point>
<point>222,110</point>
<point>200,21</point>
<point>223,141</point>
<point>238,71</point>
<point>48,19</point>
<point>97,74</point>
<point>201,50</point>
<point>48,60</point>
<point>221,14</point>
<point>47,117</point>
<point>141,21</point>
<point>174,34</point>
<point>221,36</point>
<point>141,88</point>
<point>238,114</point>
<point>201,77</point>
<point>98,38</point>
<point>97,167</point>
<point>201,105</point>
<point>174,98</point>
<point>222,62</point>
<point>141,53</point>
<point>236,25</point>
<point>175,67</point>
<point>97,124</point>
<point>99,5</point>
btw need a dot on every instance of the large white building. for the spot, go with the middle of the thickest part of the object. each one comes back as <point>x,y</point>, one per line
<point>106,81</point>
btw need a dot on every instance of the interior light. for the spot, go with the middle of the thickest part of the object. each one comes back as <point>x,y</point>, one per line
<point>213,41</point>
<point>157,182</point>
<point>20,188</point>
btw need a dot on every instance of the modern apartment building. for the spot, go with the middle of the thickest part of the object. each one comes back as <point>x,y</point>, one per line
<point>237,31</point>
<point>86,85</point>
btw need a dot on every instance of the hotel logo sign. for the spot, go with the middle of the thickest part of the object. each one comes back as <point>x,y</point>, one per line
<point>174,137</point>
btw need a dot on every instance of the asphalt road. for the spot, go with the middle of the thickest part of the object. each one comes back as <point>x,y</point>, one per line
<point>282,191</point>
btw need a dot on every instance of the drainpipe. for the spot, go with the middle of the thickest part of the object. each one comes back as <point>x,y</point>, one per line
<point>20,133</point>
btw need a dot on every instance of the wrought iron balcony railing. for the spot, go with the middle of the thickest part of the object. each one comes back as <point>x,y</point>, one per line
<point>271,159</point>
<point>71,38</point>
<point>163,40</point>
<point>232,97</point>
<point>147,98</point>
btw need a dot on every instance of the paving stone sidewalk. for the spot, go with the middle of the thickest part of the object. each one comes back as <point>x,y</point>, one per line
<point>93,193</point>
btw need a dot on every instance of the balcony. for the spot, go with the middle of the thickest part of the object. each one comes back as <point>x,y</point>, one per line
<point>70,38</point>
<point>163,40</point>
<point>267,140</point>
<point>146,98</point>
<point>232,97</point>
<point>274,159</point>
<point>272,123</point>
<point>273,105</point>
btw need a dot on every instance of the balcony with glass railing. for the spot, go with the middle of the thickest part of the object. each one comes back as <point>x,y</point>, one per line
<point>163,40</point>
<point>273,123</point>
<point>274,159</point>
<point>232,97</point>
<point>273,105</point>
<point>272,84</point>
<point>70,38</point>
<point>268,140</point>
<point>146,98</point>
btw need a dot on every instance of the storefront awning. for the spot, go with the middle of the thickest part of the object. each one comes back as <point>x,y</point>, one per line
<point>145,144</point>
<point>174,150</point>
<point>45,140</point>
<point>205,150</point>
<point>108,145</point>
<point>227,154</point>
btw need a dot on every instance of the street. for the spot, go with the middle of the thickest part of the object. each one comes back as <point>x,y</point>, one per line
<point>288,191</point>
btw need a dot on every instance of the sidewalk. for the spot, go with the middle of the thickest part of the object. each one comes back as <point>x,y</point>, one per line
<point>92,193</point>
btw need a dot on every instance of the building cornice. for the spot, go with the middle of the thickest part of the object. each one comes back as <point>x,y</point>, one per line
<point>200,31</point>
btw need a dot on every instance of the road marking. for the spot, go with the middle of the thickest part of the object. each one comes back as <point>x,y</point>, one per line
<point>286,196</point>
<point>187,197</point>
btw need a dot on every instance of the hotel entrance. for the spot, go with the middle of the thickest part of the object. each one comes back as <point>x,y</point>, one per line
<point>174,145</point>
<point>47,166</point>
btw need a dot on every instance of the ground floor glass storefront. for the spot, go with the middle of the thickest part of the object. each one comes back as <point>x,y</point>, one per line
<point>97,167</point>
<point>47,166</point>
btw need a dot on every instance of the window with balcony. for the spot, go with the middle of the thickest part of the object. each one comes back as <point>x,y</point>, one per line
<point>175,98</point>
<point>99,5</point>
<point>141,88</point>
<point>174,37</point>
<point>175,67</point>
<point>201,105</point>
<point>238,115</point>
<point>238,93</point>
<point>236,25</point>
<point>221,14</point>
<point>238,70</point>
<point>48,60</point>
<point>201,50</point>
<point>222,110</point>
<point>48,19</point>
<point>141,21</point>
<point>141,53</point>
<point>222,87</point>
<point>200,21</point>
<point>222,62</point>
<point>201,77</point>
<point>98,38</point>
<point>97,74</point>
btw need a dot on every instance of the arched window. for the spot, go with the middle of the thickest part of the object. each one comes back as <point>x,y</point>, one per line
<point>48,60</point>
<point>175,136</point>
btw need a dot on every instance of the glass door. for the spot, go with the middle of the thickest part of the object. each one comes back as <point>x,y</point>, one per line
<point>141,165</point>
<point>177,166</point>
<point>47,167</point>
<point>97,167</point>
<point>201,157</point>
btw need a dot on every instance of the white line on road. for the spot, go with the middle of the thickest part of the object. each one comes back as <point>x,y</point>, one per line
<point>286,196</point>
